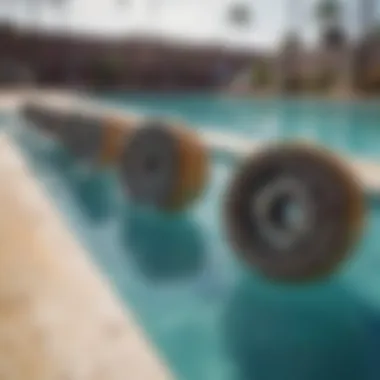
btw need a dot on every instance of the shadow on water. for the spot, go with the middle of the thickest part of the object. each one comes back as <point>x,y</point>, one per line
<point>45,152</point>
<point>311,333</point>
<point>163,247</point>
<point>374,345</point>
<point>58,159</point>
<point>92,190</point>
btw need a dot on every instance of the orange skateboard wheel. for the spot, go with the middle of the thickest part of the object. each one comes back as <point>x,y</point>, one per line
<point>164,165</point>
<point>116,131</point>
<point>95,138</point>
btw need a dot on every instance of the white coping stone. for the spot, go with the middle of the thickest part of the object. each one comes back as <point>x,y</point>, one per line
<point>58,317</point>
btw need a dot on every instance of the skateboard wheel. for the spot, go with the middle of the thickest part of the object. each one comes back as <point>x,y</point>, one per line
<point>45,119</point>
<point>115,134</point>
<point>293,212</point>
<point>164,165</point>
<point>82,135</point>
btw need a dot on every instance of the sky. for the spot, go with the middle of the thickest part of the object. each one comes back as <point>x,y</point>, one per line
<point>195,21</point>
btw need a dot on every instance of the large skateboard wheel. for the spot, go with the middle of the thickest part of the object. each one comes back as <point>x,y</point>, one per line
<point>294,212</point>
<point>164,166</point>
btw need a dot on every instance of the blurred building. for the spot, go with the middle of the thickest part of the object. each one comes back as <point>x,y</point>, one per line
<point>133,62</point>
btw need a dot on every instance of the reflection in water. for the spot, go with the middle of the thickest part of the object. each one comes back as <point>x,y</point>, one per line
<point>374,346</point>
<point>58,159</point>
<point>297,334</point>
<point>93,192</point>
<point>91,188</point>
<point>163,247</point>
<point>46,152</point>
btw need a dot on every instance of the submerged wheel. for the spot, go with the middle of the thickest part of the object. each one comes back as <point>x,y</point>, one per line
<point>294,212</point>
<point>95,139</point>
<point>28,113</point>
<point>82,135</point>
<point>43,118</point>
<point>164,166</point>
<point>116,132</point>
<point>35,116</point>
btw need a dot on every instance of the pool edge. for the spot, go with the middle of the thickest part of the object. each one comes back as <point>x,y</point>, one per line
<point>59,316</point>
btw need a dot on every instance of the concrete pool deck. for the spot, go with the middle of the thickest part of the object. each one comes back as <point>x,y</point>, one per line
<point>58,317</point>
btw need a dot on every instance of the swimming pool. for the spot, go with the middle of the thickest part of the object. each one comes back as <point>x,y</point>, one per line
<point>209,317</point>
<point>349,127</point>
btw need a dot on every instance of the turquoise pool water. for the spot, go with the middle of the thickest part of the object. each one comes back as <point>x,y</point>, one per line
<point>348,127</point>
<point>207,316</point>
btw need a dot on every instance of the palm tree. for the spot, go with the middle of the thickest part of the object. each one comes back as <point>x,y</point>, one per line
<point>375,30</point>
<point>368,41</point>
<point>240,15</point>
<point>291,47</point>
<point>329,14</point>
<point>290,62</point>
<point>292,42</point>
<point>328,11</point>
